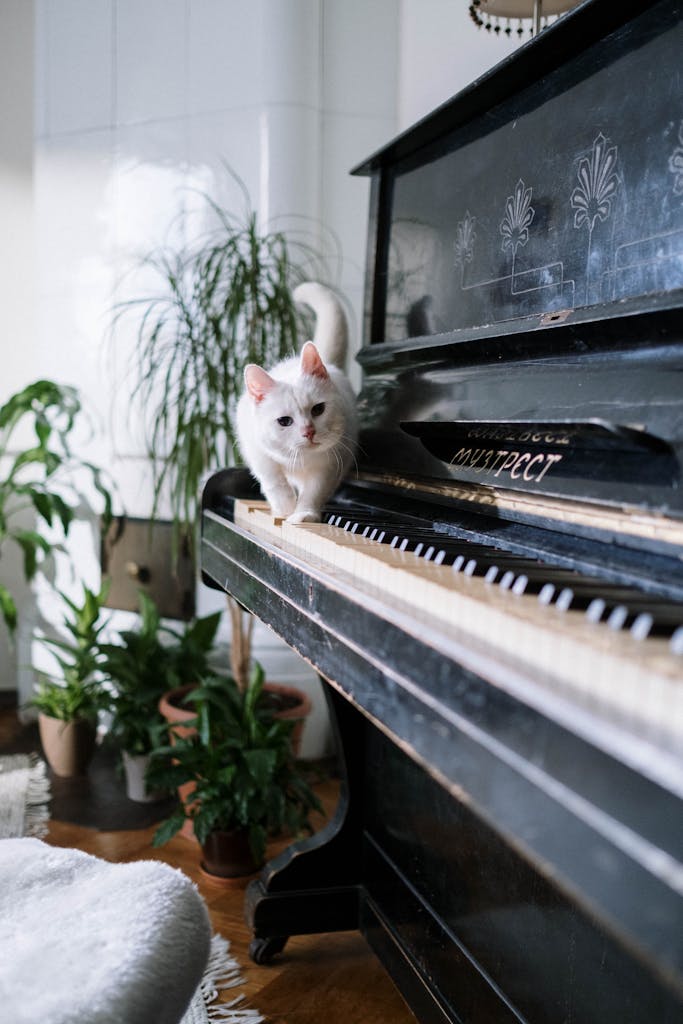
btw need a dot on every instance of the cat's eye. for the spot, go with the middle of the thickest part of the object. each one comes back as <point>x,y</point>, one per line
<point>318,410</point>
<point>285,421</point>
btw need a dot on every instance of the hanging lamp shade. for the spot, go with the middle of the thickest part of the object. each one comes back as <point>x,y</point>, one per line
<point>499,14</point>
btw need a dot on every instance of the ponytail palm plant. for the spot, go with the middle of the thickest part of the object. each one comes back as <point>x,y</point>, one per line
<point>222,303</point>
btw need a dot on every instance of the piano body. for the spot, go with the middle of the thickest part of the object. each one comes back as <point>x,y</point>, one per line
<point>495,599</point>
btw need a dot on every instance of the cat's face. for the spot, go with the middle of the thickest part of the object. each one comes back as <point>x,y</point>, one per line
<point>298,415</point>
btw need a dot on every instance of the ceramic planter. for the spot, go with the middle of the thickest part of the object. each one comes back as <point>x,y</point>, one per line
<point>135,767</point>
<point>68,746</point>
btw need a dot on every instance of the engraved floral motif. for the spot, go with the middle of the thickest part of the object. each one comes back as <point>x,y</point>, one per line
<point>464,240</point>
<point>519,214</point>
<point>676,163</point>
<point>598,183</point>
<point>592,199</point>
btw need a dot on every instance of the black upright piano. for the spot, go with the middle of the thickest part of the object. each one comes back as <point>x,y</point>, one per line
<point>495,597</point>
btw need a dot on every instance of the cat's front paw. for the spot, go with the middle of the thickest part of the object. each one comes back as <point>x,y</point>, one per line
<point>304,516</point>
<point>281,511</point>
<point>281,504</point>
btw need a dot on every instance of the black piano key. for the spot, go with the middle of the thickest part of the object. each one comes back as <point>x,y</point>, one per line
<point>655,618</point>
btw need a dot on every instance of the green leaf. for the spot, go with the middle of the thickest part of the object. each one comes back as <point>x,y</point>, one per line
<point>43,430</point>
<point>31,543</point>
<point>8,608</point>
<point>261,765</point>
<point>169,828</point>
<point>42,502</point>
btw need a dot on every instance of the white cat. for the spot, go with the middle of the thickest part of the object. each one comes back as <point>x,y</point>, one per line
<point>296,423</point>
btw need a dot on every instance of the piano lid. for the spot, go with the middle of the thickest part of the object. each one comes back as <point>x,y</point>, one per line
<point>553,183</point>
<point>525,267</point>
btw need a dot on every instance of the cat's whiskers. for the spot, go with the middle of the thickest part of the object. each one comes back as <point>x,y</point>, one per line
<point>293,458</point>
<point>350,449</point>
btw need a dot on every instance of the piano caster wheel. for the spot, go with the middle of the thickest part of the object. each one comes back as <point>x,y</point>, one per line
<point>262,951</point>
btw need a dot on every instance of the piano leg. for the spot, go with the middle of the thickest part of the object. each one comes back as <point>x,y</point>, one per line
<point>314,885</point>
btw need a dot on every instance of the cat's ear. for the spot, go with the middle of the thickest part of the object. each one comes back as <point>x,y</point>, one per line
<point>258,382</point>
<point>311,363</point>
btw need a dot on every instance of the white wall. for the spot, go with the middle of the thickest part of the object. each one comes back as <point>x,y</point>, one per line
<point>442,51</point>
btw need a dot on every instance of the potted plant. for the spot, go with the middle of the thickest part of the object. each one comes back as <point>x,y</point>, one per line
<point>144,664</point>
<point>69,703</point>
<point>224,302</point>
<point>247,784</point>
<point>37,476</point>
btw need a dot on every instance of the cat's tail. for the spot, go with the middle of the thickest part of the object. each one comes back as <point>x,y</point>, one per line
<point>331,336</point>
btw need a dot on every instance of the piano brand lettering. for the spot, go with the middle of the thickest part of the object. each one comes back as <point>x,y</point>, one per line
<point>526,436</point>
<point>528,466</point>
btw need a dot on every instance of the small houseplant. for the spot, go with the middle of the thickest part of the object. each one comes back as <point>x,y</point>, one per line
<point>37,476</point>
<point>141,666</point>
<point>69,703</point>
<point>247,784</point>
<point>222,303</point>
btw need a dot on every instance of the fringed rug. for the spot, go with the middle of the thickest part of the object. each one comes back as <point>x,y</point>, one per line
<point>221,972</point>
<point>24,796</point>
<point>24,799</point>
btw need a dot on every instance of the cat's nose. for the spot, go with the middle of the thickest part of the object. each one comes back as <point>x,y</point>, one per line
<point>309,431</point>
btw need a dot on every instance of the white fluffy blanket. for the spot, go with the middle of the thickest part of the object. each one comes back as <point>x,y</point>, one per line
<point>83,940</point>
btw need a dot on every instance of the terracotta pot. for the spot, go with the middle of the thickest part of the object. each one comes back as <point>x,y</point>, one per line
<point>175,713</point>
<point>228,854</point>
<point>298,705</point>
<point>135,767</point>
<point>68,746</point>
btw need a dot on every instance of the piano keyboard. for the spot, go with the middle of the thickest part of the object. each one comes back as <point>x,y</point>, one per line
<point>618,607</point>
<point>614,649</point>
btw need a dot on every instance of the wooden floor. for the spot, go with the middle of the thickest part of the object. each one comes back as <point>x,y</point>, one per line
<point>323,979</point>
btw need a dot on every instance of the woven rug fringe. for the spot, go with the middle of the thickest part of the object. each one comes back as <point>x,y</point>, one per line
<point>222,972</point>
<point>233,1015</point>
<point>36,814</point>
<point>24,796</point>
